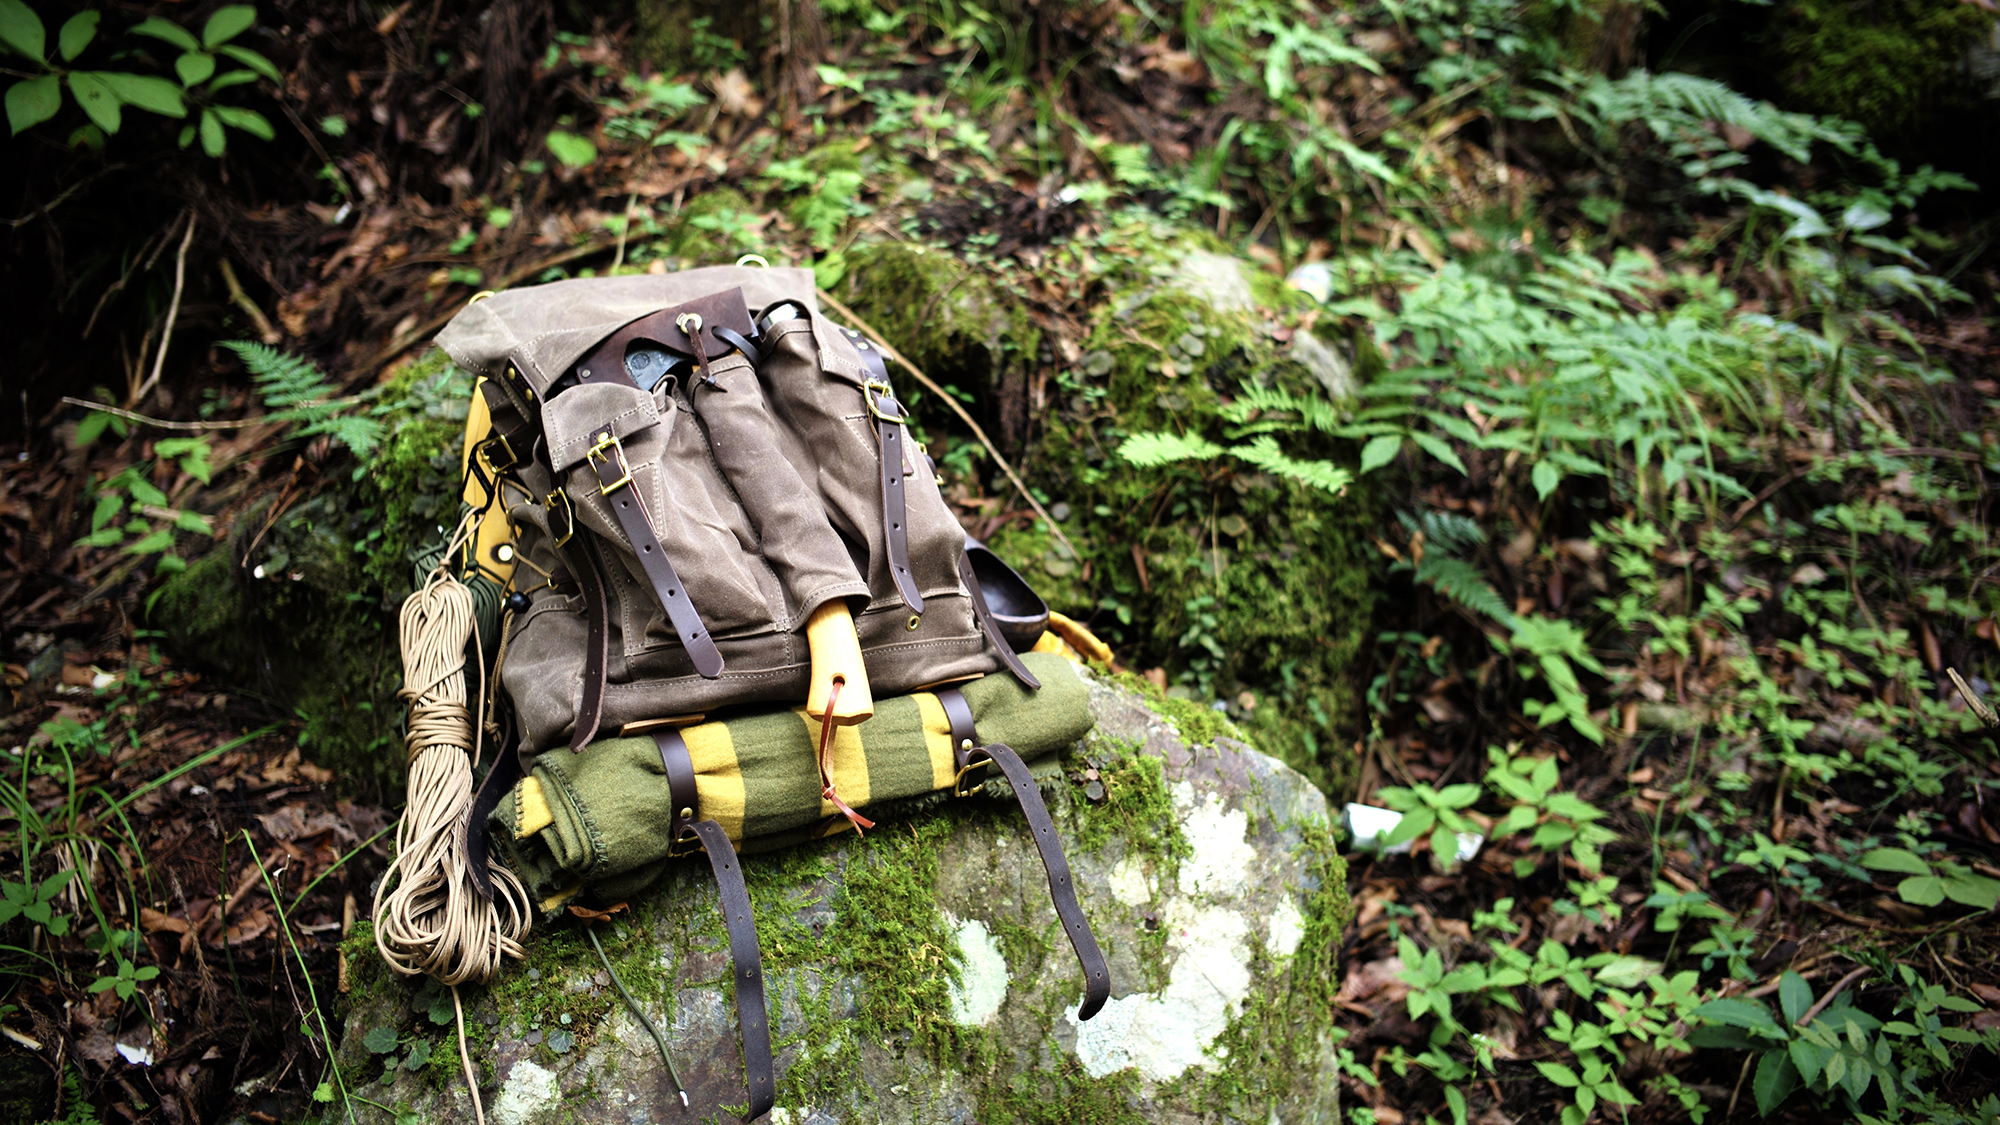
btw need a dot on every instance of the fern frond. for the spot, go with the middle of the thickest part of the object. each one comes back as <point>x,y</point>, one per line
<point>1151,449</point>
<point>1264,453</point>
<point>1462,583</point>
<point>1446,533</point>
<point>295,390</point>
<point>1313,412</point>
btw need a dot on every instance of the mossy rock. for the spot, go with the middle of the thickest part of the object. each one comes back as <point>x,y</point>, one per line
<point>920,975</point>
<point>1898,67</point>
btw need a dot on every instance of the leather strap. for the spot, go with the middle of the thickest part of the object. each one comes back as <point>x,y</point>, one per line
<point>751,1013</point>
<point>895,511</point>
<point>614,480</point>
<point>1062,891</point>
<point>597,642</point>
<point>993,634</point>
<point>753,1016</point>
<point>499,783</point>
<point>737,340</point>
<point>679,767</point>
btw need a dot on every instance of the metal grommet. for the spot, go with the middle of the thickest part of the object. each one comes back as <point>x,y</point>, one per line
<point>749,259</point>
<point>916,619</point>
<point>481,296</point>
<point>503,552</point>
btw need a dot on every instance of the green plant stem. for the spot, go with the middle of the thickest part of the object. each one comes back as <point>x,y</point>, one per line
<point>338,863</point>
<point>659,1040</point>
<point>312,993</point>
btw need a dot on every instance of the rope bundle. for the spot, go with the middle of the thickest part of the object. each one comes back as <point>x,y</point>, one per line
<point>429,916</point>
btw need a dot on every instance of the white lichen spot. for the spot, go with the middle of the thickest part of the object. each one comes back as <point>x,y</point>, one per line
<point>982,985</point>
<point>1288,928</point>
<point>1164,1033</point>
<point>1221,857</point>
<point>1129,884</point>
<point>528,1091</point>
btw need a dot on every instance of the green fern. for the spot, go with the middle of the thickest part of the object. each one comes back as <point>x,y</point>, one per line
<point>1315,412</point>
<point>1264,453</point>
<point>1462,583</point>
<point>1150,450</point>
<point>1445,532</point>
<point>295,390</point>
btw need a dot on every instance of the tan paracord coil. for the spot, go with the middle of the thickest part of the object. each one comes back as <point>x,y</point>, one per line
<point>429,916</point>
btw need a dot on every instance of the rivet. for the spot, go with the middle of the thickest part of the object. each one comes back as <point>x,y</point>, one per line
<point>916,619</point>
<point>686,813</point>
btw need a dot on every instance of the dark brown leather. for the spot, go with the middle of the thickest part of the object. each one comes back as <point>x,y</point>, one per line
<point>889,417</point>
<point>753,1016</point>
<point>499,783</point>
<point>967,752</point>
<point>717,310</point>
<point>679,767</point>
<point>992,627</point>
<point>597,641</point>
<point>751,1013</point>
<point>614,481</point>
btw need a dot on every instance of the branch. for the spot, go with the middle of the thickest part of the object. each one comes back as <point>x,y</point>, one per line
<point>238,424</point>
<point>957,409</point>
<point>173,311</point>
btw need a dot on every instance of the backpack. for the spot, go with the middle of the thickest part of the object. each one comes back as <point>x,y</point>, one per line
<point>704,482</point>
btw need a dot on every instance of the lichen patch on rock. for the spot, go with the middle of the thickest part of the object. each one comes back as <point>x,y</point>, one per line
<point>982,985</point>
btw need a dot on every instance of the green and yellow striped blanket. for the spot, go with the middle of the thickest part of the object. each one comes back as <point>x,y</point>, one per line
<point>597,821</point>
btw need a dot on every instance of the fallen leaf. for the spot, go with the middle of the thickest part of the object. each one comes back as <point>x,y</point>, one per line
<point>153,921</point>
<point>735,95</point>
<point>603,915</point>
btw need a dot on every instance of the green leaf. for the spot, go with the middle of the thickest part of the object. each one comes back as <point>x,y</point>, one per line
<point>1627,971</point>
<point>1380,451</point>
<point>167,31</point>
<point>194,522</point>
<point>323,1093</point>
<point>1794,996</point>
<point>380,1040</point>
<point>264,67</point>
<point>1747,1014</point>
<point>77,34</point>
<point>146,973</point>
<point>1559,1074</point>
<point>102,983</point>
<point>143,91</point>
<point>230,78</point>
<point>212,140</point>
<point>195,67</point>
<point>96,98</point>
<point>419,1055</point>
<point>32,102</point>
<point>158,541</point>
<point>1923,890</point>
<point>21,29</point>
<point>146,492</point>
<point>1438,448</point>
<point>1151,449</point>
<point>573,151</point>
<point>1895,859</point>
<point>1264,453</point>
<point>108,537</point>
<point>1973,890</point>
<point>228,23</point>
<point>1776,1079</point>
<point>1545,477</point>
<point>248,120</point>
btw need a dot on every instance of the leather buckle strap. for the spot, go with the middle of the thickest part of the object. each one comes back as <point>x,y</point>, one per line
<point>964,743</point>
<point>678,766</point>
<point>597,641</point>
<point>882,404</point>
<point>993,634</point>
<point>752,1014</point>
<point>612,478</point>
<point>1062,890</point>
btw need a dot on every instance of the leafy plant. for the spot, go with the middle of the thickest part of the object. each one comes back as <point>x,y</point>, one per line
<point>126,981</point>
<point>35,901</point>
<point>1929,884</point>
<point>1559,819</point>
<point>1433,811</point>
<point>102,94</point>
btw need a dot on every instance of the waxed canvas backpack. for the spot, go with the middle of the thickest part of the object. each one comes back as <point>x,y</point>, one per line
<point>722,553</point>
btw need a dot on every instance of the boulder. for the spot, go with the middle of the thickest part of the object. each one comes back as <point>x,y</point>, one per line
<point>919,975</point>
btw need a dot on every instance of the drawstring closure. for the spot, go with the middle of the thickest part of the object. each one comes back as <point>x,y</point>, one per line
<point>825,745</point>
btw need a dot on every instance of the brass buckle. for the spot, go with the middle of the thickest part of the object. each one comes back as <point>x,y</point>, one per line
<point>958,786</point>
<point>688,844</point>
<point>568,513</point>
<point>870,389</point>
<point>486,448</point>
<point>609,441</point>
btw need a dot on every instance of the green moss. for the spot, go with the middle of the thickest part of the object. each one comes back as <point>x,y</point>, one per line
<point>894,938</point>
<point>1895,66</point>
<point>1136,806</point>
<point>1070,1097</point>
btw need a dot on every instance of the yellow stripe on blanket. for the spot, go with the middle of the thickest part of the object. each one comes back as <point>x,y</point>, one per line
<point>718,778</point>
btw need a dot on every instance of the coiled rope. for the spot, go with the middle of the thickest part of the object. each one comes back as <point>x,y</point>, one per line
<point>429,915</point>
